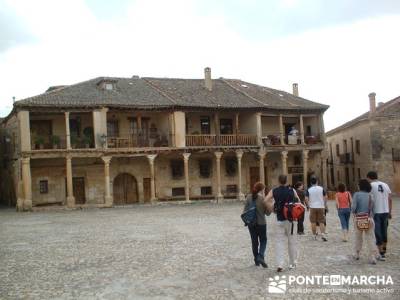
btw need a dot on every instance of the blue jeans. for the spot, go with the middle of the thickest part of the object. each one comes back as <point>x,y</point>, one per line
<point>344,216</point>
<point>381,225</point>
<point>258,236</point>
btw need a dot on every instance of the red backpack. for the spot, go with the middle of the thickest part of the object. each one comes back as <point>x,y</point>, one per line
<point>293,211</point>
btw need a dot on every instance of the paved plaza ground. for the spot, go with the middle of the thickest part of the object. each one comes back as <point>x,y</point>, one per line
<point>193,251</point>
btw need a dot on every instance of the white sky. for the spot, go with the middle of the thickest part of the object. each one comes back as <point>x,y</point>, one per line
<point>44,43</point>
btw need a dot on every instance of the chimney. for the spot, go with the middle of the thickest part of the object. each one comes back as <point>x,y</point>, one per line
<point>295,89</point>
<point>207,79</point>
<point>372,104</point>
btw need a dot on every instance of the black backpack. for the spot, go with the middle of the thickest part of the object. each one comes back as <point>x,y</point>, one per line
<point>249,217</point>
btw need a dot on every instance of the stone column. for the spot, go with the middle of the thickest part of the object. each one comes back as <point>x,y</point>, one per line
<point>284,155</point>
<point>151,159</point>
<point>67,130</point>
<point>262,155</point>
<point>324,169</point>
<point>281,130</point>
<point>302,130</point>
<point>239,155</point>
<point>218,156</point>
<point>70,188</point>
<point>27,184</point>
<point>100,126</point>
<point>186,166</point>
<point>108,199</point>
<point>305,168</point>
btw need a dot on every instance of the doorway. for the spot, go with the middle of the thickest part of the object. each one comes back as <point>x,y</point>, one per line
<point>125,189</point>
<point>255,176</point>
<point>147,189</point>
<point>78,184</point>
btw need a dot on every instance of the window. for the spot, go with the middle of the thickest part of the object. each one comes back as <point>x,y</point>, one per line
<point>205,125</point>
<point>112,128</point>
<point>359,173</point>
<point>297,160</point>
<point>337,150</point>
<point>43,187</point>
<point>231,188</point>
<point>344,146</point>
<point>226,126</point>
<point>332,177</point>
<point>358,148</point>
<point>206,190</point>
<point>108,86</point>
<point>177,168</point>
<point>338,176</point>
<point>354,174</point>
<point>230,166</point>
<point>176,192</point>
<point>205,168</point>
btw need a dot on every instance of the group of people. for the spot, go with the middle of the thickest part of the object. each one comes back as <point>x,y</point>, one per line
<point>371,207</point>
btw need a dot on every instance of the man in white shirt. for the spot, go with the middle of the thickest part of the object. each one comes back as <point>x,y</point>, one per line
<point>382,210</point>
<point>316,201</point>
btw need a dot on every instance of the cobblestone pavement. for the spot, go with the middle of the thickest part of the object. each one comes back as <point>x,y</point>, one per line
<point>200,250</point>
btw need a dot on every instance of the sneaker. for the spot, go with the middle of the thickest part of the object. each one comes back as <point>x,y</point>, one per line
<point>292,266</point>
<point>356,257</point>
<point>279,269</point>
<point>324,238</point>
<point>263,264</point>
<point>381,257</point>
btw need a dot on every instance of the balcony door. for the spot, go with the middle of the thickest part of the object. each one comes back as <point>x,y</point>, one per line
<point>140,131</point>
<point>226,126</point>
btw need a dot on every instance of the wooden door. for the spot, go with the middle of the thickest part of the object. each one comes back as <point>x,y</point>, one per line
<point>147,189</point>
<point>125,189</point>
<point>78,184</point>
<point>396,177</point>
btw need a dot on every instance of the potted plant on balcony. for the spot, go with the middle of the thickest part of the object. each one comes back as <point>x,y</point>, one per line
<point>87,141</point>
<point>39,142</point>
<point>55,141</point>
<point>74,141</point>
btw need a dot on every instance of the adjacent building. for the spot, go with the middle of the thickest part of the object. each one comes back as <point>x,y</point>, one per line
<point>369,142</point>
<point>115,141</point>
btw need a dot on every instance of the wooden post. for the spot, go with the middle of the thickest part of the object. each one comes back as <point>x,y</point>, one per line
<point>284,155</point>
<point>67,131</point>
<point>305,168</point>
<point>281,130</point>
<point>237,128</point>
<point>217,128</point>
<point>302,130</point>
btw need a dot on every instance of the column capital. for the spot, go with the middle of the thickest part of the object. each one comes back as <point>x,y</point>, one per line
<point>239,154</point>
<point>218,154</point>
<point>151,158</point>
<point>262,153</point>
<point>66,113</point>
<point>106,159</point>
<point>284,154</point>
<point>25,160</point>
<point>68,157</point>
<point>186,156</point>
<point>305,154</point>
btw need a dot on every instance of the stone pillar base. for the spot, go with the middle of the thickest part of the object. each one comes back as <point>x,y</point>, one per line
<point>108,201</point>
<point>219,198</point>
<point>70,202</point>
<point>153,201</point>
<point>27,205</point>
<point>241,197</point>
<point>20,204</point>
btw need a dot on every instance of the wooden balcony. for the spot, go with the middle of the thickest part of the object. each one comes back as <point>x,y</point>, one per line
<point>221,140</point>
<point>136,141</point>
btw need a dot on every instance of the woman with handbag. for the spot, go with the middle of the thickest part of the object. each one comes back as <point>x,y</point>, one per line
<point>258,231</point>
<point>362,209</point>
<point>343,204</point>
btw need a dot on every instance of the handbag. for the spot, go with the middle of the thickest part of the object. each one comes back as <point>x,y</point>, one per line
<point>249,217</point>
<point>362,219</point>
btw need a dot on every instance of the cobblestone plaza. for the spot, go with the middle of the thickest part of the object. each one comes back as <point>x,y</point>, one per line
<point>192,251</point>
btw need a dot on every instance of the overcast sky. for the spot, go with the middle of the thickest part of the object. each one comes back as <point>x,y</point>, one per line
<point>338,51</point>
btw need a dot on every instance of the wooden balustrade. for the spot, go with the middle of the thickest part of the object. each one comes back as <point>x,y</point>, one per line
<point>221,140</point>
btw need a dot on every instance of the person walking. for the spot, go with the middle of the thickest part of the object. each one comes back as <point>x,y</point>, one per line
<point>284,231</point>
<point>258,232</point>
<point>343,205</point>
<point>299,186</point>
<point>316,200</point>
<point>382,212</point>
<point>362,204</point>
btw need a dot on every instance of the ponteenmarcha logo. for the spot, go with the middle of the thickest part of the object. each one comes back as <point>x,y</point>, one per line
<point>277,285</point>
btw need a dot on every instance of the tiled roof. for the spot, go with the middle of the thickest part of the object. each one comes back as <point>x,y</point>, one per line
<point>388,109</point>
<point>153,93</point>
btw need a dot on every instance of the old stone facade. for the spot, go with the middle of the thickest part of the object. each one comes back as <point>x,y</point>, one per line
<point>369,142</point>
<point>116,141</point>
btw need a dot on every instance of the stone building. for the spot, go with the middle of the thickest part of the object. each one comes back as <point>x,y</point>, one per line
<point>369,142</point>
<point>113,141</point>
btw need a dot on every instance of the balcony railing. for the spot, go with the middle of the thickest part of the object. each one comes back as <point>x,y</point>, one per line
<point>135,141</point>
<point>48,142</point>
<point>221,140</point>
<point>274,139</point>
